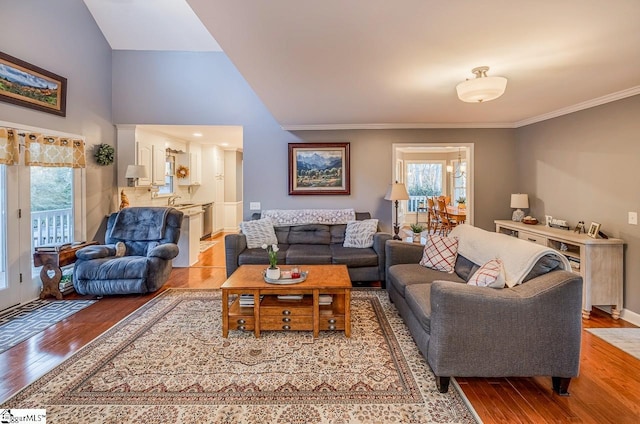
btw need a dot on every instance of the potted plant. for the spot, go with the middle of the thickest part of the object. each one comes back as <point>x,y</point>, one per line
<point>417,230</point>
<point>273,272</point>
<point>462,202</point>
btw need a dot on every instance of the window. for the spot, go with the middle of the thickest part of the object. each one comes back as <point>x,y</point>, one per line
<point>459,180</point>
<point>423,179</point>
<point>169,167</point>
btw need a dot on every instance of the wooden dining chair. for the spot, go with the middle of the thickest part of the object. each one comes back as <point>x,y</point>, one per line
<point>446,223</point>
<point>433,221</point>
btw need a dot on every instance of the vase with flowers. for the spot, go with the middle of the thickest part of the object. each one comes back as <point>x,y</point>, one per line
<point>273,272</point>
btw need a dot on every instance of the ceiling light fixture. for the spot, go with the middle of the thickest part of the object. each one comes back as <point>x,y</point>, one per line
<point>482,88</point>
<point>197,134</point>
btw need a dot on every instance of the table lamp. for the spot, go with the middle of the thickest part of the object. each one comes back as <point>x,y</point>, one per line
<point>519,201</point>
<point>396,192</point>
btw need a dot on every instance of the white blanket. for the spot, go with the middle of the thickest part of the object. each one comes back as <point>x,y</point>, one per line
<point>518,256</point>
<point>284,217</point>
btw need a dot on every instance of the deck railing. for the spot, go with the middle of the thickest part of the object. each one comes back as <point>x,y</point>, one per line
<point>51,227</point>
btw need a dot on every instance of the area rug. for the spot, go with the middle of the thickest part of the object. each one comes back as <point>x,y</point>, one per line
<point>168,362</point>
<point>27,320</point>
<point>206,244</point>
<point>626,339</point>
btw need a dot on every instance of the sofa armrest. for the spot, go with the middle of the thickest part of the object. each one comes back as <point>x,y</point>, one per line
<point>530,329</point>
<point>96,252</point>
<point>379,243</point>
<point>164,251</point>
<point>234,244</point>
<point>401,252</point>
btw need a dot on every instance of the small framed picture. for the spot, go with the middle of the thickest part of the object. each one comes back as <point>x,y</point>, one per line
<point>593,230</point>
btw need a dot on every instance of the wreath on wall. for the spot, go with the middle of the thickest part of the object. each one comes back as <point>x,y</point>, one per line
<point>104,154</point>
<point>182,171</point>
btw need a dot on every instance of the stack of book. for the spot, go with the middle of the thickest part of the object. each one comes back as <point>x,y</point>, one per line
<point>290,296</point>
<point>48,248</point>
<point>246,300</point>
<point>325,299</point>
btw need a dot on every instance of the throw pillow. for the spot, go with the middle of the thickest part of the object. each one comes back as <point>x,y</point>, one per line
<point>121,249</point>
<point>490,274</point>
<point>259,232</point>
<point>440,253</point>
<point>360,233</point>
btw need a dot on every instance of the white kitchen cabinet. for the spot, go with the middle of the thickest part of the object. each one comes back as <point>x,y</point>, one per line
<point>158,165</point>
<point>193,161</point>
<point>189,241</point>
<point>144,156</point>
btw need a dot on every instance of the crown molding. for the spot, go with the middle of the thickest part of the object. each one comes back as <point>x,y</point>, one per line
<point>581,106</point>
<point>398,126</point>
<point>328,127</point>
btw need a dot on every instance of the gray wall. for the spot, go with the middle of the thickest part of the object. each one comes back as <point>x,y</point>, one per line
<point>63,38</point>
<point>582,167</point>
<point>212,92</point>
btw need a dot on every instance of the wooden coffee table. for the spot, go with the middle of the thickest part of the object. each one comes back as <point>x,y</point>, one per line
<point>271,313</point>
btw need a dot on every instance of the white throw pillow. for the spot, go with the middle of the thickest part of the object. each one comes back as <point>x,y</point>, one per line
<point>360,233</point>
<point>259,232</point>
<point>440,253</point>
<point>490,274</point>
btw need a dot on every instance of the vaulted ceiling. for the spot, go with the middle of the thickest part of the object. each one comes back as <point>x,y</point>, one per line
<point>381,64</point>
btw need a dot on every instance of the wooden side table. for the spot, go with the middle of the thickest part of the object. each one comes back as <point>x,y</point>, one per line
<point>54,261</point>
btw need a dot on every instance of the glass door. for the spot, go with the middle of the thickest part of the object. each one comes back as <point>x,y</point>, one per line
<point>10,285</point>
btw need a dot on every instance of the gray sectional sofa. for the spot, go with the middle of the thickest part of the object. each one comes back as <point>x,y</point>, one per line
<point>530,329</point>
<point>313,244</point>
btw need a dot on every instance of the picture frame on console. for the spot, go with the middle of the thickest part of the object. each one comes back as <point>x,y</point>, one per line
<point>24,84</point>
<point>319,168</point>
<point>594,228</point>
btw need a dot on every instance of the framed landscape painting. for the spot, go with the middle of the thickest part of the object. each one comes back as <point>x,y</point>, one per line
<point>27,85</point>
<point>319,168</point>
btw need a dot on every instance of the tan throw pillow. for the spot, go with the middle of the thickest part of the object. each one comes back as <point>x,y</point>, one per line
<point>121,249</point>
<point>360,233</point>
<point>490,274</point>
<point>440,253</point>
<point>259,232</point>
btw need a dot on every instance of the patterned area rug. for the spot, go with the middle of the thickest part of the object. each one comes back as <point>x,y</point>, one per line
<point>167,362</point>
<point>206,244</point>
<point>626,339</point>
<point>24,321</point>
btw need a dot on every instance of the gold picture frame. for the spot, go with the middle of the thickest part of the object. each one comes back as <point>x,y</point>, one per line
<point>319,168</point>
<point>594,228</point>
<point>24,84</point>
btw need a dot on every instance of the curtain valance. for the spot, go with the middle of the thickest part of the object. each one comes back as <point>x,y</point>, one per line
<point>42,149</point>
<point>9,152</point>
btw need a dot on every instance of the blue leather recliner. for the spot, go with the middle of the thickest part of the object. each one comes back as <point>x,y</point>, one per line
<point>150,236</point>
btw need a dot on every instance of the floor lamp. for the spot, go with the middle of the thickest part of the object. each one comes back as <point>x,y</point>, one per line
<point>396,192</point>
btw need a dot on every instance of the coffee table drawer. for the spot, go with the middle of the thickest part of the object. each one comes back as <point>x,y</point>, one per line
<point>271,322</point>
<point>331,323</point>
<point>241,323</point>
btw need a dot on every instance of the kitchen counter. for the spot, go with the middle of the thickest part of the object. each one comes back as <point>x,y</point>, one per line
<point>189,242</point>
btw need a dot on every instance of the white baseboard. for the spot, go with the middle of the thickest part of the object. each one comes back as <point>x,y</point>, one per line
<point>630,316</point>
<point>625,314</point>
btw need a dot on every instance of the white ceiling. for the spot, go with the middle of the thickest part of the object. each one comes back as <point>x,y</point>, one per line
<point>226,136</point>
<point>382,64</point>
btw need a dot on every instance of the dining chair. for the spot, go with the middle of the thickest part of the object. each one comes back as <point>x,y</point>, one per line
<point>433,221</point>
<point>446,223</point>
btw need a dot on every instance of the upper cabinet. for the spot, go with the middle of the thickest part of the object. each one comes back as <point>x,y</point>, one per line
<point>153,157</point>
<point>191,160</point>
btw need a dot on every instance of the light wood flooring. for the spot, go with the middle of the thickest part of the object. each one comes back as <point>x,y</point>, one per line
<point>607,390</point>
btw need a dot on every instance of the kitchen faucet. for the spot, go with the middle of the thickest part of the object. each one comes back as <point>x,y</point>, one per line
<point>172,200</point>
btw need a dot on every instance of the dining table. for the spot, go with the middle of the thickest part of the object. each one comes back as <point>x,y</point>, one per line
<point>459,214</point>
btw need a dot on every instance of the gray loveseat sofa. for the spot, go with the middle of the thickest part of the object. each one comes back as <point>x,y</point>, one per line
<point>313,244</point>
<point>530,329</point>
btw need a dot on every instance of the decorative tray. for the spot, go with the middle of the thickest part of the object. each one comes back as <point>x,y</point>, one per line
<point>303,276</point>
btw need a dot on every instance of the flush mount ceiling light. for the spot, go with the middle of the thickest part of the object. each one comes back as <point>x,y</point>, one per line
<point>482,88</point>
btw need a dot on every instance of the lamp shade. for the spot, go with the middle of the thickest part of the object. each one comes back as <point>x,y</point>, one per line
<point>482,88</point>
<point>520,201</point>
<point>136,171</point>
<point>397,191</point>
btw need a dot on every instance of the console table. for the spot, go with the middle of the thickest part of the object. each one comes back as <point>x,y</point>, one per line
<point>54,261</point>
<point>598,261</point>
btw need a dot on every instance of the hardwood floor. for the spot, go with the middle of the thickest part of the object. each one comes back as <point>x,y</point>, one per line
<point>607,390</point>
